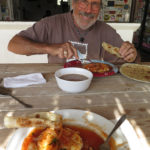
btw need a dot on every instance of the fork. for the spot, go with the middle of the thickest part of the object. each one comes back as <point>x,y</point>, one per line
<point>85,61</point>
<point>105,145</point>
<point>5,91</point>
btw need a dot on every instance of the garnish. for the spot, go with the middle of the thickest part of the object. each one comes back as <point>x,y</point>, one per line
<point>54,141</point>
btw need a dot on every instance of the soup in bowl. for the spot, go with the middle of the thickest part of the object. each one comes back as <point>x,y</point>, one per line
<point>73,79</point>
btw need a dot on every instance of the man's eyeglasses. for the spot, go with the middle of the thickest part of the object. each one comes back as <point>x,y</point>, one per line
<point>84,4</point>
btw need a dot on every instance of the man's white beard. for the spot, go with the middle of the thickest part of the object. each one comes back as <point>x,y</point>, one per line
<point>80,24</point>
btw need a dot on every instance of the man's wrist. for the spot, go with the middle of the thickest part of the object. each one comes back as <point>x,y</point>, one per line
<point>49,49</point>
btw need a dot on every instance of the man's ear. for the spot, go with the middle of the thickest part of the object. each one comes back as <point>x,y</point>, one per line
<point>72,5</point>
<point>101,4</point>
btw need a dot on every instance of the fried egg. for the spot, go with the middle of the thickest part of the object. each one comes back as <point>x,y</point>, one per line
<point>70,140</point>
<point>49,139</point>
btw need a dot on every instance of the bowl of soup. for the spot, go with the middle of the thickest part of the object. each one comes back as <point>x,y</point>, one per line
<point>73,79</point>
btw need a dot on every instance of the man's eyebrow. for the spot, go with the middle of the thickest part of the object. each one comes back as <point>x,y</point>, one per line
<point>91,2</point>
<point>95,3</point>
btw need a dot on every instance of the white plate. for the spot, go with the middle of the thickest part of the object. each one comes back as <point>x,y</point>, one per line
<point>137,69</point>
<point>78,117</point>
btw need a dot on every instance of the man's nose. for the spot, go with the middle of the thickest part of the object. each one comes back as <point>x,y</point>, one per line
<point>89,8</point>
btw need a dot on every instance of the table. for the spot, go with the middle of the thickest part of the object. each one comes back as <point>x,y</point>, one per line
<point>107,96</point>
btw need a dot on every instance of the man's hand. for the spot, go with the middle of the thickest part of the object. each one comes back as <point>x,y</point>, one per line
<point>25,46</point>
<point>128,52</point>
<point>65,50</point>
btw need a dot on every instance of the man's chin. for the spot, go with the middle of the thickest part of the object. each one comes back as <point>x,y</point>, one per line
<point>85,26</point>
<point>84,22</point>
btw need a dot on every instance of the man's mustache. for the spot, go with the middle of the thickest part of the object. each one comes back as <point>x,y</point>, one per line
<point>87,14</point>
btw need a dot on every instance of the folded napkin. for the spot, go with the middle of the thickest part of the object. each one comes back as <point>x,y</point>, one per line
<point>24,80</point>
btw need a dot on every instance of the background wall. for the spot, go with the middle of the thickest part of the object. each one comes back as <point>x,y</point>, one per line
<point>31,10</point>
<point>7,31</point>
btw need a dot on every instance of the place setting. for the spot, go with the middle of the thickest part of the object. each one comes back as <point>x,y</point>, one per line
<point>99,68</point>
<point>75,111</point>
<point>89,129</point>
<point>77,74</point>
<point>20,81</point>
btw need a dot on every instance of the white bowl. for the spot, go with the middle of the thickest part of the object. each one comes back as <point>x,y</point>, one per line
<point>73,86</point>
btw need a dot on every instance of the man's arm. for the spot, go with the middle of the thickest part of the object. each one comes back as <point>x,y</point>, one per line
<point>25,46</point>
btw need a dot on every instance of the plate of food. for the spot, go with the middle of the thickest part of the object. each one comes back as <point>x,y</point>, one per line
<point>136,72</point>
<point>67,129</point>
<point>97,67</point>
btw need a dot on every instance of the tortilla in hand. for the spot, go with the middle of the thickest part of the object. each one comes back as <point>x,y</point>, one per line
<point>111,49</point>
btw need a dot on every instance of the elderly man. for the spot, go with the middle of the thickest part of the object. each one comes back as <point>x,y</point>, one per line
<point>51,36</point>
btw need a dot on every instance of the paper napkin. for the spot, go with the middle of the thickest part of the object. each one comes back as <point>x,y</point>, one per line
<point>24,80</point>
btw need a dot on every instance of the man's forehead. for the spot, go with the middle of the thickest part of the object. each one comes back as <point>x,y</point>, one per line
<point>94,1</point>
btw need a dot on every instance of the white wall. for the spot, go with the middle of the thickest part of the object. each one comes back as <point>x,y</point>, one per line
<point>9,29</point>
<point>126,30</point>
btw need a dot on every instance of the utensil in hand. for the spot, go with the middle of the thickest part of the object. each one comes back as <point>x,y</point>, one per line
<point>105,145</point>
<point>85,61</point>
<point>6,91</point>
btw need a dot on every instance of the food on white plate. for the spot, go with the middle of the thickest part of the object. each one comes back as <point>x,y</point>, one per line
<point>98,67</point>
<point>136,71</point>
<point>59,137</point>
<point>70,139</point>
<point>41,119</point>
<point>111,49</point>
<point>48,139</point>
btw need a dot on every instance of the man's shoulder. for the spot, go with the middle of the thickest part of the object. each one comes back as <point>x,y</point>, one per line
<point>103,25</point>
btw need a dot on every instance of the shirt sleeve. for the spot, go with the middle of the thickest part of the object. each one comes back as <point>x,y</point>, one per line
<point>37,32</point>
